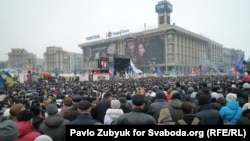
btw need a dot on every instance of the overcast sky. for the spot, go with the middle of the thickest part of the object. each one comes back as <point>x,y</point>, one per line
<point>37,24</point>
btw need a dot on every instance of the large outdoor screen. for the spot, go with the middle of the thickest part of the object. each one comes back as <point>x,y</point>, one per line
<point>146,51</point>
<point>92,53</point>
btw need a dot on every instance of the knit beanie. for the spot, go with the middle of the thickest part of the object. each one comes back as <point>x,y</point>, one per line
<point>51,109</point>
<point>8,130</point>
<point>190,89</point>
<point>246,86</point>
<point>231,97</point>
<point>115,104</point>
<point>43,138</point>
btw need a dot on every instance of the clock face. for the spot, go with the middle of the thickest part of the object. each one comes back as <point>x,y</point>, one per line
<point>111,49</point>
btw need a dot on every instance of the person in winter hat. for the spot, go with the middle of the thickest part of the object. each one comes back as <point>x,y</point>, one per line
<point>8,130</point>
<point>231,97</point>
<point>72,112</point>
<point>85,117</point>
<point>51,109</point>
<point>43,138</point>
<point>54,125</point>
<point>232,111</point>
<point>113,113</point>
<point>136,116</point>
<point>67,104</point>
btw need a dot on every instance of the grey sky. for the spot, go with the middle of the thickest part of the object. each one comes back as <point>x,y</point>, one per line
<point>36,24</point>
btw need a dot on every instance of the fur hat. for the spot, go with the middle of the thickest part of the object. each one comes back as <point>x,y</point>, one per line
<point>138,100</point>
<point>193,94</point>
<point>115,104</point>
<point>160,95</point>
<point>8,130</point>
<point>231,97</point>
<point>43,138</point>
<point>246,86</point>
<point>51,109</point>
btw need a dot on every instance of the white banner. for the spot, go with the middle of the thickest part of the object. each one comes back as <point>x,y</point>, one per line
<point>135,69</point>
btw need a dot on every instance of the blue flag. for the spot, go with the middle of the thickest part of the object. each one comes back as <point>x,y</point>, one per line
<point>1,82</point>
<point>172,73</point>
<point>239,66</point>
<point>159,72</point>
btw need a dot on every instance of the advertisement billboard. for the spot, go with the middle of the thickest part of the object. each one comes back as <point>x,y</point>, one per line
<point>146,51</point>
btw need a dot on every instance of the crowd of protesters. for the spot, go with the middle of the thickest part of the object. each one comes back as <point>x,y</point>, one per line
<point>42,109</point>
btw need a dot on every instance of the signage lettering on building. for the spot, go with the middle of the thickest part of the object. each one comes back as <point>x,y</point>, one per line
<point>117,33</point>
<point>93,37</point>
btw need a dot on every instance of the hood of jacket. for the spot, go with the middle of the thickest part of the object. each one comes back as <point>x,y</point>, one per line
<point>54,120</point>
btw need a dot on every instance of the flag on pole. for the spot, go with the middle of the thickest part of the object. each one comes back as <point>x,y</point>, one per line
<point>1,82</point>
<point>172,73</point>
<point>9,81</point>
<point>239,66</point>
<point>111,71</point>
<point>159,72</point>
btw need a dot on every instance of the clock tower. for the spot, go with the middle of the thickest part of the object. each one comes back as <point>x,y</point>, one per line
<point>163,8</point>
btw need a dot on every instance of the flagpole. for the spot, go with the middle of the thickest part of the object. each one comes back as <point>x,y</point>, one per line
<point>200,71</point>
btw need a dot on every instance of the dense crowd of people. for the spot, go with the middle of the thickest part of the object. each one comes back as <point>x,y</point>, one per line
<point>41,110</point>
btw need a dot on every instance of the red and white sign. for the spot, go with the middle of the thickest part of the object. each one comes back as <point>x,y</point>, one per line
<point>93,37</point>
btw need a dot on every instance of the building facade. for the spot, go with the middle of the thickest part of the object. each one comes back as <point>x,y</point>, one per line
<point>58,61</point>
<point>20,59</point>
<point>168,47</point>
